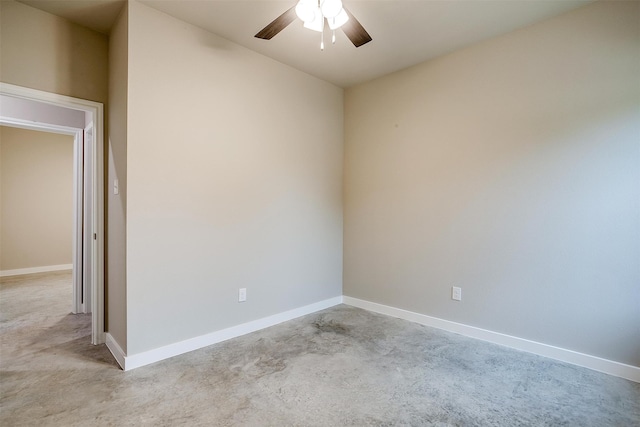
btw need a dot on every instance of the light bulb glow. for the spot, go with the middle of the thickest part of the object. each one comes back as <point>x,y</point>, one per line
<point>318,21</point>
<point>306,10</point>
<point>331,8</point>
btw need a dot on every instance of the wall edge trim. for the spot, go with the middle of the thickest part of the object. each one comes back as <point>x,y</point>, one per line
<point>595,363</point>
<point>115,349</point>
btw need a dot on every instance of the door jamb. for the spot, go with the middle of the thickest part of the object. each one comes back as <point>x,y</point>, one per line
<point>78,218</point>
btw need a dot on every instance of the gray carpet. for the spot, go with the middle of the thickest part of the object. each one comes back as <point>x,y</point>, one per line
<point>339,367</point>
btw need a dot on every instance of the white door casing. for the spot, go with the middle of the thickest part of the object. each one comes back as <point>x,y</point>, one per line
<point>93,180</point>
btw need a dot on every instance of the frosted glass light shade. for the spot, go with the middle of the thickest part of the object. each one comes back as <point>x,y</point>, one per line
<point>338,21</point>
<point>318,22</point>
<point>306,10</point>
<point>331,8</point>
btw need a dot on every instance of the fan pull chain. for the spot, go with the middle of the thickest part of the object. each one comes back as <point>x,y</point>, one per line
<point>333,37</point>
<point>322,36</point>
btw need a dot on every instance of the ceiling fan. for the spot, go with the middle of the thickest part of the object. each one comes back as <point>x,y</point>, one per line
<point>314,13</point>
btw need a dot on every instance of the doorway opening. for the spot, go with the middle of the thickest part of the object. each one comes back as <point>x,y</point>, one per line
<point>88,239</point>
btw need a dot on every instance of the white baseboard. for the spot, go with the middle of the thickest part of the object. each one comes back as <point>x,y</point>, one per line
<point>115,349</point>
<point>580,359</point>
<point>592,362</point>
<point>31,270</point>
<point>141,359</point>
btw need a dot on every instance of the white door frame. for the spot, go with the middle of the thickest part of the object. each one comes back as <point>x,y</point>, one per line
<point>78,303</point>
<point>96,109</point>
<point>87,196</point>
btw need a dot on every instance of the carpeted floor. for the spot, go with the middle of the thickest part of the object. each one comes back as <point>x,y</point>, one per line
<point>339,367</point>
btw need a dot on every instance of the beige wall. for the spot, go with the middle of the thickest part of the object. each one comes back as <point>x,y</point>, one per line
<point>510,169</point>
<point>43,51</point>
<point>36,198</point>
<point>234,180</point>
<point>117,168</point>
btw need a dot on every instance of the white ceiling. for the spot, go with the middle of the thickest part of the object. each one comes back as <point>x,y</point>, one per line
<point>404,32</point>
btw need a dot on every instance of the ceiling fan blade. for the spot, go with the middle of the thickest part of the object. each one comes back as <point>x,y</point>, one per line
<point>355,31</point>
<point>277,25</point>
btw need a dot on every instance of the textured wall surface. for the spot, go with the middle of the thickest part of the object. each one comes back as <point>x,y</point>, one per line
<point>116,267</point>
<point>43,51</point>
<point>36,198</point>
<point>510,169</point>
<point>234,180</point>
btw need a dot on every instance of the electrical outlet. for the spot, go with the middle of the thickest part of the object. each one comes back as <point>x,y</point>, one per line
<point>242,294</point>
<point>456,293</point>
